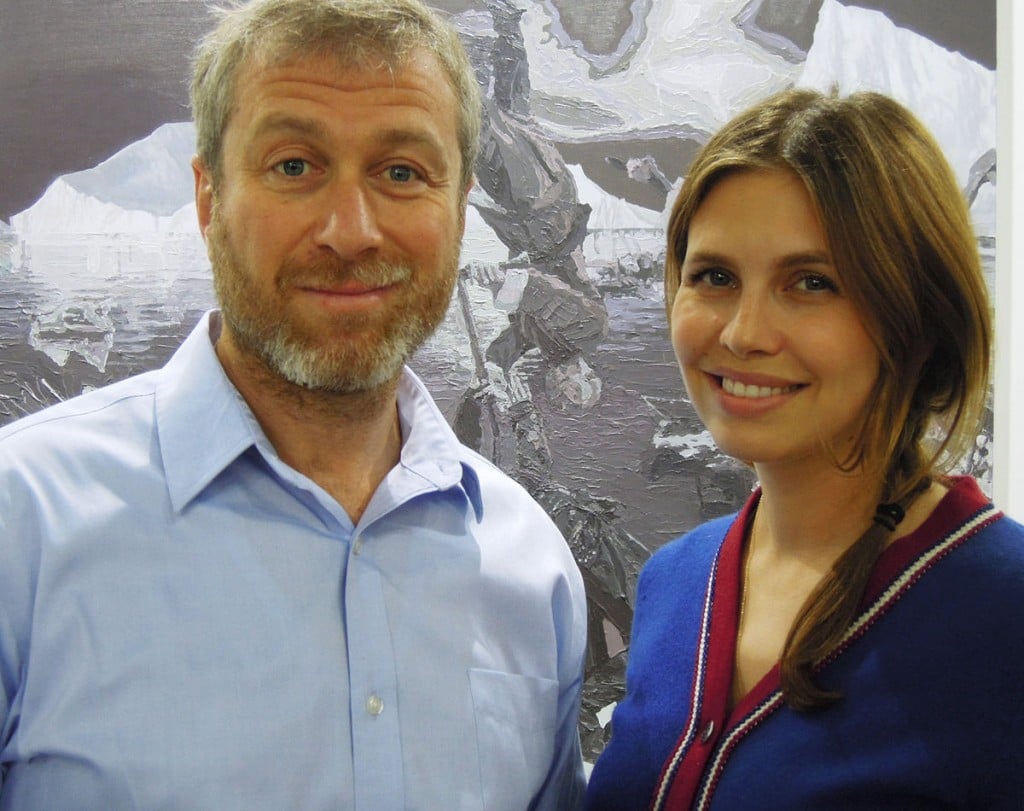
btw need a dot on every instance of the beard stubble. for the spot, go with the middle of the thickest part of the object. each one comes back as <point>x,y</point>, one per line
<point>318,351</point>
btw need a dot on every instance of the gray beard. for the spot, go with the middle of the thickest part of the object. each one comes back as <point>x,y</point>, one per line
<point>339,367</point>
<point>326,370</point>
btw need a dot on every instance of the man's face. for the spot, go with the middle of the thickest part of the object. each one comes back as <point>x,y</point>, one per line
<point>335,225</point>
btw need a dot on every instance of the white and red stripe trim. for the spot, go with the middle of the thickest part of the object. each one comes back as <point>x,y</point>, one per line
<point>696,699</point>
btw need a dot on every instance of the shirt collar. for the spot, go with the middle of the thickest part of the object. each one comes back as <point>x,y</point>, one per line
<point>204,424</point>
<point>430,449</point>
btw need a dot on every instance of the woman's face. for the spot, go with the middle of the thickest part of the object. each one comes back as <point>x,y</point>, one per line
<point>774,356</point>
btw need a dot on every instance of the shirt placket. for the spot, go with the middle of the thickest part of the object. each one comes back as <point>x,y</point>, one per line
<point>373,685</point>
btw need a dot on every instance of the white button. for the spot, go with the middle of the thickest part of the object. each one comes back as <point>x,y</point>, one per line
<point>375,705</point>
<point>357,545</point>
<point>708,732</point>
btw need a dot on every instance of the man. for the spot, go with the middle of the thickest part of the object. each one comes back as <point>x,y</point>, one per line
<point>267,576</point>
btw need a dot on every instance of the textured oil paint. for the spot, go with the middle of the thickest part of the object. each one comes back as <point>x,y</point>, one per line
<point>554,358</point>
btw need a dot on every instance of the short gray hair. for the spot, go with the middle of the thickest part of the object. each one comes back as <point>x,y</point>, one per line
<point>357,32</point>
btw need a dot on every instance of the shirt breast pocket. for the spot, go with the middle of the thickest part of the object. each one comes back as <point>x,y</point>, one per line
<point>516,718</point>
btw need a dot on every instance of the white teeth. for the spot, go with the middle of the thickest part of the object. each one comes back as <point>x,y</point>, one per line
<point>737,389</point>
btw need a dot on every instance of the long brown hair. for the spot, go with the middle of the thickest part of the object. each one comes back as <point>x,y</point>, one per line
<point>901,238</point>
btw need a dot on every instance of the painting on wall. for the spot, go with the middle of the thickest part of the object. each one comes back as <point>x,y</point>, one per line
<point>554,358</point>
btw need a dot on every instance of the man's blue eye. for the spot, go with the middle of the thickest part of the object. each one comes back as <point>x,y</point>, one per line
<point>293,167</point>
<point>402,174</point>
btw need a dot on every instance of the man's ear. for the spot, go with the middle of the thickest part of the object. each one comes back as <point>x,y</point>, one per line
<point>204,193</point>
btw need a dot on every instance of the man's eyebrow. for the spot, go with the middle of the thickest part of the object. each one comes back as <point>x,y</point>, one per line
<point>400,136</point>
<point>287,123</point>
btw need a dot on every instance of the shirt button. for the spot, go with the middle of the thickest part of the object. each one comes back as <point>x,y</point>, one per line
<point>708,732</point>
<point>375,705</point>
<point>357,545</point>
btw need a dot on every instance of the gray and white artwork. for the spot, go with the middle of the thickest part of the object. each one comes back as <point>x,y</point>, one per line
<point>554,359</point>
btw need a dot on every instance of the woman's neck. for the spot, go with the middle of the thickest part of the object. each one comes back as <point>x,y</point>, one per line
<point>814,516</point>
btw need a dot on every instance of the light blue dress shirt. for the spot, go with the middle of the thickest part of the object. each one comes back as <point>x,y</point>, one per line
<point>188,623</point>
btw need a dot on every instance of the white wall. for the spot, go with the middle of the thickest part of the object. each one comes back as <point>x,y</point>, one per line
<point>1008,474</point>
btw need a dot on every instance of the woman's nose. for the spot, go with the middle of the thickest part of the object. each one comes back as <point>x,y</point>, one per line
<point>753,327</point>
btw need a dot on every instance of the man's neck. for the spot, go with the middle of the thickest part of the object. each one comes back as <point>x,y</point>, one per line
<point>346,443</point>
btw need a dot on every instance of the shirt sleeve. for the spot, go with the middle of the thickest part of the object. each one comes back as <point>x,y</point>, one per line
<point>565,785</point>
<point>16,579</point>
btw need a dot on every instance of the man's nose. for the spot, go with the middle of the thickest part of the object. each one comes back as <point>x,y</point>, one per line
<point>348,223</point>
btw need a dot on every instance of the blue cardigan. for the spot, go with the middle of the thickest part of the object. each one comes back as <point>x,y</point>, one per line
<point>932,675</point>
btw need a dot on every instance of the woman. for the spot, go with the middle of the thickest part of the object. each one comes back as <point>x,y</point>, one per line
<point>852,639</point>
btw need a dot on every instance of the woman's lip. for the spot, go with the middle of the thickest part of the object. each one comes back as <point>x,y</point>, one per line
<point>756,391</point>
<point>750,385</point>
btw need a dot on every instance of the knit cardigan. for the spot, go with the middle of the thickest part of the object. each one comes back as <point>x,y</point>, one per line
<point>931,673</point>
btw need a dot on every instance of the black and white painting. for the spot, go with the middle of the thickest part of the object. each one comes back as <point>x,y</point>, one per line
<point>554,359</point>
